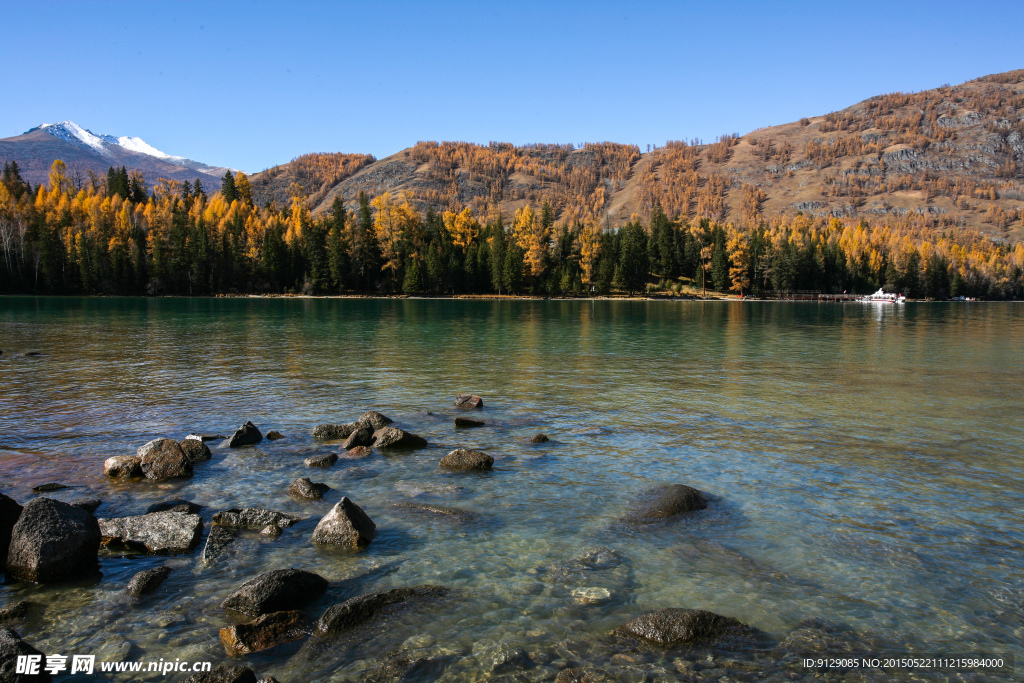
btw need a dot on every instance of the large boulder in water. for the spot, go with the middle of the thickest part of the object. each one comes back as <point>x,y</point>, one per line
<point>246,435</point>
<point>12,647</point>
<point>345,525</point>
<point>195,450</point>
<point>163,459</point>
<point>157,532</point>
<point>674,626</point>
<point>364,607</point>
<point>393,437</point>
<point>276,591</point>
<point>468,402</point>
<point>331,432</point>
<point>9,513</point>
<point>269,630</point>
<point>466,459</point>
<point>374,419</point>
<point>53,541</point>
<point>663,502</point>
<point>123,466</point>
<point>360,437</point>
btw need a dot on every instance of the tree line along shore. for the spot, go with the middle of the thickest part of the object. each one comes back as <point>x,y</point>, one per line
<point>115,236</point>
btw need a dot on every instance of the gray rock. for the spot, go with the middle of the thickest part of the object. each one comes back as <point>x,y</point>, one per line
<point>360,437</point>
<point>663,502</point>
<point>304,488</point>
<point>674,626</point>
<point>147,581</point>
<point>363,608</point>
<point>9,513</point>
<point>374,420</point>
<point>393,437</point>
<point>176,505</point>
<point>539,438</point>
<point>123,466</point>
<point>274,435</point>
<point>467,423</point>
<point>466,459</point>
<point>246,435</point>
<point>53,541</point>
<point>164,459</point>
<point>345,525</point>
<point>88,504</point>
<point>328,432</point>
<point>267,631</point>
<point>11,647</point>
<point>15,612</point>
<point>276,591</point>
<point>219,539</point>
<point>271,531</point>
<point>195,450</point>
<point>469,402</point>
<point>224,674</point>
<point>157,532</point>
<point>254,518</point>
<point>52,486</point>
<point>325,460</point>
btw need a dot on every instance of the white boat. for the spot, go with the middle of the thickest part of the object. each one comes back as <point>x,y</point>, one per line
<point>881,297</point>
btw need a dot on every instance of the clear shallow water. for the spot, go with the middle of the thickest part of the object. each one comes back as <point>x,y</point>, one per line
<point>866,465</point>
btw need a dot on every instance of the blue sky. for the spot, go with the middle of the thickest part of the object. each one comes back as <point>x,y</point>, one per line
<point>253,84</point>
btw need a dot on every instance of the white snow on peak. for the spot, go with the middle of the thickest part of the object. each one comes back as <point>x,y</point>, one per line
<point>142,147</point>
<point>66,130</point>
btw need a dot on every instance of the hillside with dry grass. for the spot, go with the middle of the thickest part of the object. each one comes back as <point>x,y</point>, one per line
<point>943,158</point>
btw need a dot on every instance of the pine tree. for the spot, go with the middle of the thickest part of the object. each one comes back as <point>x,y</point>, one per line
<point>228,189</point>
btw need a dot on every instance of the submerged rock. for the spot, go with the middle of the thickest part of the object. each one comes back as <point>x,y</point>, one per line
<point>465,459</point>
<point>466,422</point>
<point>52,486</point>
<point>469,402</point>
<point>218,539</point>
<point>360,437</point>
<point>9,513</point>
<point>358,452</point>
<point>207,437</point>
<point>304,488</point>
<point>325,460</point>
<point>147,581</point>
<point>374,419</point>
<point>393,437</point>
<point>663,502</point>
<point>269,630</point>
<point>176,505</point>
<point>53,541</point>
<point>329,432</point>
<point>157,532</point>
<point>246,435</point>
<point>224,674</point>
<point>123,466</point>
<point>274,435</point>
<point>345,525</point>
<point>364,607</point>
<point>402,667</point>
<point>195,450</point>
<point>12,647</point>
<point>254,518</point>
<point>15,612</point>
<point>583,675</point>
<point>279,590</point>
<point>675,626</point>
<point>539,438</point>
<point>164,459</point>
<point>449,514</point>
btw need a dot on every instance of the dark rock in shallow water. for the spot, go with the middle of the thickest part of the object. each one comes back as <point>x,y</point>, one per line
<point>465,459</point>
<point>254,518</point>
<point>362,608</point>
<point>15,612</point>
<point>164,459</point>
<point>374,420</point>
<point>157,532</point>
<point>276,591</point>
<point>88,504</point>
<point>195,450</point>
<point>219,539</point>
<point>466,422</point>
<point>246,435</point>
<point>468,402</point>
<point>53,541</point>
<point>53,486</point>
<point>325,460</point>
<point>358,452</point>
<point>224,674</point>
<point>9,513</point>
<point>304,488</point>
<point>147,581</point>
<point>123,466</point>
<point>274,435</point>
<point>539,438</point>
<point>400,668</point>
<point>393,437</point>
<point>663,502</point>
<point>345,525</point>
<point>675,626</point>
<point>176,505</point>
<point>328,432</point>
<point>360,437</point>
<point>269,630</point>
<point>29,354</point>
<point>11,647</point>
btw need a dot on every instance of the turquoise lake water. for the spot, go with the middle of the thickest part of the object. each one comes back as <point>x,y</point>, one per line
<point>864,463</point>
